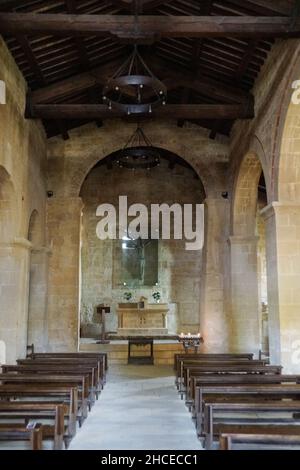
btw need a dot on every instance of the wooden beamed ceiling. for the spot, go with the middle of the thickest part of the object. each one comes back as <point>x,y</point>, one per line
<point>208,53</point>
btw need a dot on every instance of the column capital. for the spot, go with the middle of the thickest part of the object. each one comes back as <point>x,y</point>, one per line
<point>41,250</point>
<point>275,206</point>
<point>75,202</point>
<point>242,240</point>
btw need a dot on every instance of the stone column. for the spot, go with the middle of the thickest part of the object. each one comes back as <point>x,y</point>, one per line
<point>283,271</point>
<point>14,278</point>
<point>213,322</point>
<point>244,321</point>
<point>64,225</point>
<point>38,292</point>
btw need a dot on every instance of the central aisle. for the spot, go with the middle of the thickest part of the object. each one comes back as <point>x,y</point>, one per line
<point>139,409</point>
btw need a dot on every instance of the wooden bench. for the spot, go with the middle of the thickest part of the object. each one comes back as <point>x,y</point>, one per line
<point>239,379</point>
<point>223,393</point>
<point>213,357</point>
<point>214,426</point>
<point>55,412</point>
<point>261,435</point>
<point>195,359</point>
<point>15,432</point>
<point>189,368</point>
<point>225,368</point>
<point>71,363</point>
<point>70,381</point>
<point>58,369</point>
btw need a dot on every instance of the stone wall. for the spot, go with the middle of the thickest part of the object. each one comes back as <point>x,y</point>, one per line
<point>179,271</point>
<point>69,164</point>
<point>22,191</point>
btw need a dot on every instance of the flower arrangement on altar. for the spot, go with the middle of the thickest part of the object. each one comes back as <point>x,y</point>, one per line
<point>127,296</point>
<point>156,296</point>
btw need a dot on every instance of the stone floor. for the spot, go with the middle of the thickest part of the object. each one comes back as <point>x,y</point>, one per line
<point>138,409</point>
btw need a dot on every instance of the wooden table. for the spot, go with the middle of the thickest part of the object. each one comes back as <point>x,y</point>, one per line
<point>140,341</point>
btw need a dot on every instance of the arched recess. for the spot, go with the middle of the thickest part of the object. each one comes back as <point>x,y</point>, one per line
<point>7,207</point>
<point>179,271</point>
<point>247,250</point>
<point>283,227</point>
<point>7,266</point>
<point>36,324</point>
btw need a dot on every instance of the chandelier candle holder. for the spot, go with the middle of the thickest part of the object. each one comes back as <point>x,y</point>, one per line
<point>190,341</point>
<point>138,153</point>
<point>134,89</point>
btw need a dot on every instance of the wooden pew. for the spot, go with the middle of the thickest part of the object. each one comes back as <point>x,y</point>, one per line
<point>45,393</point>
<point>78,381</point>
<point>261,435</point>
<point>225,393</point>
<point>57,369</point>
<point>213,357</point>
<point>213,427</point>
<point>239,379</point>
<point>15,432</point>
<point>225,368</point>
<point>102,357</point>
<point>208,359</point>
<point>71,362</point>
<point>26,411</point>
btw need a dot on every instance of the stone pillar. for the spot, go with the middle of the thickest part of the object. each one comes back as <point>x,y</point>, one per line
<point>244,321</point>
<point>64,225</point>
<point>283,271</point>
<point>38,292</point>
<point>213,322</point>
<point>14,278</point>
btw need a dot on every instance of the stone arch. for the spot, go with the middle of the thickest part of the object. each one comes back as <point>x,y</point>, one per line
<point>245,281</point>
<point>285,167</point>
<point>178,143</point>
<point>7,207</point>
<point>35,229</point>
<point>36,284</point>
<point>244,205</point>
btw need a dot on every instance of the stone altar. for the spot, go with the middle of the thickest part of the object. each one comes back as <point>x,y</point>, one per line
<point>142,318</point>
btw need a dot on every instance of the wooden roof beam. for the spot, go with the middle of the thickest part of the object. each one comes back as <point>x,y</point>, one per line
<point>149,27</point>
<point>174,79</point>
<point>171,111</point>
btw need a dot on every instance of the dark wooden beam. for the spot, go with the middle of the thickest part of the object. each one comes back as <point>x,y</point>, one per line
<point>184,100</point>
<point>143,4</point>
<point>171,111</point>
<point>175,78</point>
<point>154,27</point>
<point>31,59</point>
<point>242,68</point>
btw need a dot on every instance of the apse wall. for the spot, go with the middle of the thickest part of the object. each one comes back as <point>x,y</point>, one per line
<point>179,271</point>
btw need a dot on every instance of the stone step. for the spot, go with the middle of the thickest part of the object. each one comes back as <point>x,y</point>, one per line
<point>118,353</point>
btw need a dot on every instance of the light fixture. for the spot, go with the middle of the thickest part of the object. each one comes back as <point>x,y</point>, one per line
<point>138,153</point>
<point>134,89</point>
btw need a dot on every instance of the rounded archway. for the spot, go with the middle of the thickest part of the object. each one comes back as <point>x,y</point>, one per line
<point>7,207</point>
<point>36,290</point>
<point>112,268</point>
<point>248,257</point>
<point>7,268</point>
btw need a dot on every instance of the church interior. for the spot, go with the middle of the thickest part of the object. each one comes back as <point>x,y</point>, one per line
<point>187,108</point>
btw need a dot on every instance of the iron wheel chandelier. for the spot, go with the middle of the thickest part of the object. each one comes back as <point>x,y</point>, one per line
<point>134,89</point>
<point>138,153</point>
